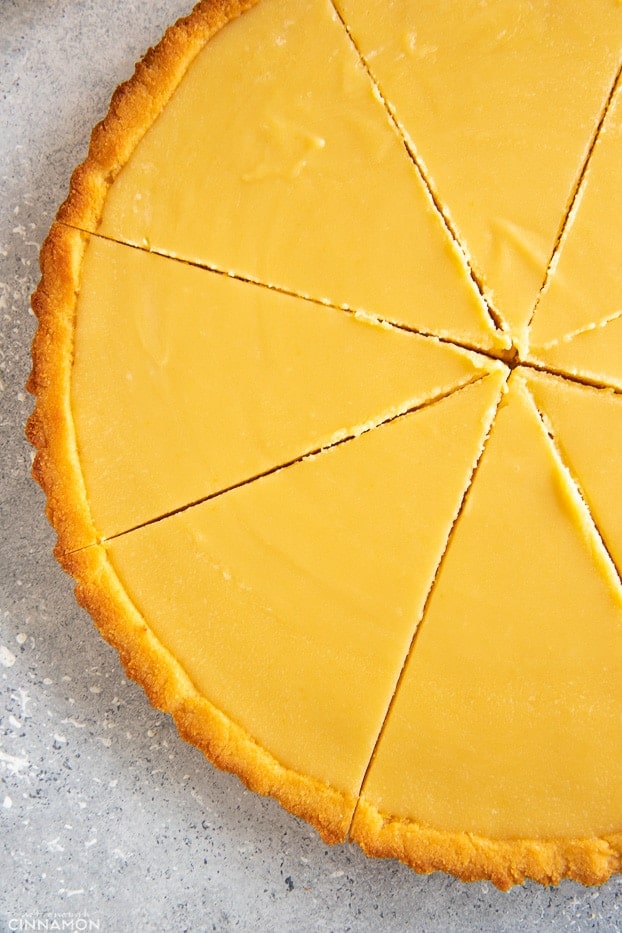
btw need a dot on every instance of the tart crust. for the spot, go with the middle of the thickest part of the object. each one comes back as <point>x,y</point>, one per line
<point>505,862</point>
<point>134,106</point>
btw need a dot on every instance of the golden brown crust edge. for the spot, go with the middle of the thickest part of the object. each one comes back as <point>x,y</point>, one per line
<point>50,428</point>
<point>56,467</point>
<point>476,858</point>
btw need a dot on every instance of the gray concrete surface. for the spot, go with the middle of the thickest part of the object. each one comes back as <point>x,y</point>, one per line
<point>108,820</point>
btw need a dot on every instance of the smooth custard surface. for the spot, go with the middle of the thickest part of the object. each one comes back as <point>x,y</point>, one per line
<point>292,601</point>
<point>586,427</point>
<point>585,293</point>
<point>309,186</point>
<point>215,381</point>
<point>507,720</point>
<point>503,145</point>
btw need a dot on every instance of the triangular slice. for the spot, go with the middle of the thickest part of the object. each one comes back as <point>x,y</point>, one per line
<point>586,425</point>
<point>290,602</point>
<point>186,382</point>
<point>506,723</point>
<point>288,171</point>
<point>585,287</point>
<point>502,143</point>
<point>594,353</point>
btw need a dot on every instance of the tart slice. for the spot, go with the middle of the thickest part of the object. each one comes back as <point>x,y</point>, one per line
<point>502,143</point>
<point>279,614</point>
<point>501,755</point>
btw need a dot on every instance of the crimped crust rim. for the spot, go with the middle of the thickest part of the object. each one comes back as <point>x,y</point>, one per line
<point>470,857</point>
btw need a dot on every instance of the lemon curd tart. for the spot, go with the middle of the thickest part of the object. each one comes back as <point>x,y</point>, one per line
<point>329,415</point>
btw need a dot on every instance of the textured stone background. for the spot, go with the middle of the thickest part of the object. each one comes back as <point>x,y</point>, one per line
<point>106,816</point>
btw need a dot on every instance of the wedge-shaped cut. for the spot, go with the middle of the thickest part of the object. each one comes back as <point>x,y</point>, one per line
<point>594,353</point>
<point>586,425</point>
<point>296,179</point>
<point>291,602</point>
<point>186,382</point>
<point>502,142</point>
<point>507,722</point>
<point>585,287</point>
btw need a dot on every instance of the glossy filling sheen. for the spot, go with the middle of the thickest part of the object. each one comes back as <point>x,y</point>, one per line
<point>381,542</point>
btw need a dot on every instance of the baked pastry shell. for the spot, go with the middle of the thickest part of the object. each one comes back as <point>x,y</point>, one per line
<point>56,467</point>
